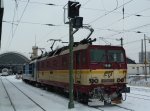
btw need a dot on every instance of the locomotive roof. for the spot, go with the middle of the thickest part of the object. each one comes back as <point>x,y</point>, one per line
<point>107,47</point>
<point>65,50</point>
<point>79,47</point>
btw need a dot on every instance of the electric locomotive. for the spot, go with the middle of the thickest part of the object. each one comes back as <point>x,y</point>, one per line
<point>100,72</point>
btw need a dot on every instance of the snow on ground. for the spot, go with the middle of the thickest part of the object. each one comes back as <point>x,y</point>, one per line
<point>138,99</point>
<point>49,101</point>
<point>139,81</point>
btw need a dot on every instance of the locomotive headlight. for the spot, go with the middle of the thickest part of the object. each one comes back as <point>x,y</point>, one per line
<point>120,79</point>
<point>107,65</point>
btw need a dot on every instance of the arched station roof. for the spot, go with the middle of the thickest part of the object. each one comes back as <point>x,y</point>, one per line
<point>13,58</point>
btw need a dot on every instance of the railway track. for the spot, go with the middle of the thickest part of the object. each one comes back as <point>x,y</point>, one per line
<point>139,96</point>
<point>113,108</point>
<point>100,108</point>
<point>124,108</point>
<point>13,105</point>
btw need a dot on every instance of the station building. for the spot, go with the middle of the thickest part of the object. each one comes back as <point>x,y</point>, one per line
<point>13,61</point>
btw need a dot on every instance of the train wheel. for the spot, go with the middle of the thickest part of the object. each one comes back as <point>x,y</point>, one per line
<point>83,98</point>
<point>107,103</point>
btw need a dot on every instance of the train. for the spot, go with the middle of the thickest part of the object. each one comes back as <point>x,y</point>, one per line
<point>100,72</point>
<point>5,72</point>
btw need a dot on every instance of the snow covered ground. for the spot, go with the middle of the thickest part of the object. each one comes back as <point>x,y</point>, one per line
<point>139,81</point>
<point>34,99</point>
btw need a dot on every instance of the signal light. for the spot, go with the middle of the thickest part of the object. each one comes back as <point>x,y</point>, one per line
<point>73,9</point>
<point>77,22</point>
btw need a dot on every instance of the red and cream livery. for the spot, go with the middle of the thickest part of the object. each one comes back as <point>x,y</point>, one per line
<point>99,72</point>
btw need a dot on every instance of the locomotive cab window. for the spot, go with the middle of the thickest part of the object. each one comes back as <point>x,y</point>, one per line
<point>97,55</point>
<point>115,56</point>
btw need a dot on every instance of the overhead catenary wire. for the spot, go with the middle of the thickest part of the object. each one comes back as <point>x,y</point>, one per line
<point>125,31</point>
<point>51,31</point>
<point>12,23</point>
<point>30,23</point>
<point>86,2</point>
<point>105,11</point>
<point>39,3</point>
<point>18,23</point>
<point>122,31</point>
<point>96,19</point>
<point>44,3</point>
<point>15,11</point>
<point>129,15</point>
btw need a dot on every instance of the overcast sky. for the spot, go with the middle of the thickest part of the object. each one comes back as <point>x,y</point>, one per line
<point>105,16</point>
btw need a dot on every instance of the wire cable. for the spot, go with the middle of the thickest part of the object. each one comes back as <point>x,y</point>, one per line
<point>129,15</point>
<point>40,3</point>
<point>18,23</point>
<point>85,2</point>
<point>12,23</point>
<point>109,12</point>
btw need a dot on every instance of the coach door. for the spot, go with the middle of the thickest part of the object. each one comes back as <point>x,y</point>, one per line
<point>78,67</point>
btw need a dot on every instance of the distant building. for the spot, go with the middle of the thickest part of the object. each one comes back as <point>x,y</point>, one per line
<point>130,61</point>
<point>13,61</point>
<point>137,69</point>
<point>142,57</point>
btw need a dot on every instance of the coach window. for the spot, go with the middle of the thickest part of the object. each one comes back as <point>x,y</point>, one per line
<point>23,69</point>
<point>54,63</point>
<point>84,57</point>
<point>78,58</point>
<point>38,65</point>
<point>47,64</point>
<point>30,68</point>
<point>43,64</point>
<point>64,61</point>
<point>33,67</point>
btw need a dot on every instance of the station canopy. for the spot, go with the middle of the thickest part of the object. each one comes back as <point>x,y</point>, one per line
<point>12,60</point>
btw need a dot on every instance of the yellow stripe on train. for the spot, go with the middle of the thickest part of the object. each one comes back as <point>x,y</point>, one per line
<point>86,76</point>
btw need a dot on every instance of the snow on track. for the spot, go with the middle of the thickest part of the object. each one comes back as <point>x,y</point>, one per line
<point>19,100</point>
<point>53,102</point>
<point>5,103</point>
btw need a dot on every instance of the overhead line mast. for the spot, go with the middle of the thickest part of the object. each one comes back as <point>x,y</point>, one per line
<point>1,17</point>
<point>74,22</point>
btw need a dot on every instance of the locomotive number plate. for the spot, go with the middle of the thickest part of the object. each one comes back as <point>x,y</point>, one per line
<point>107,80</point>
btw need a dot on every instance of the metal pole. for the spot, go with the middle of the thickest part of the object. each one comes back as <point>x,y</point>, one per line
<point>142,58</point>
<point>71,103</point>
<point>145,58</point>
<point>121,39</point>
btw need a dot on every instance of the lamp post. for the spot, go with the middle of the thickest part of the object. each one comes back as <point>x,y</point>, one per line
<point>145,61</point>
<point>144,58</point>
